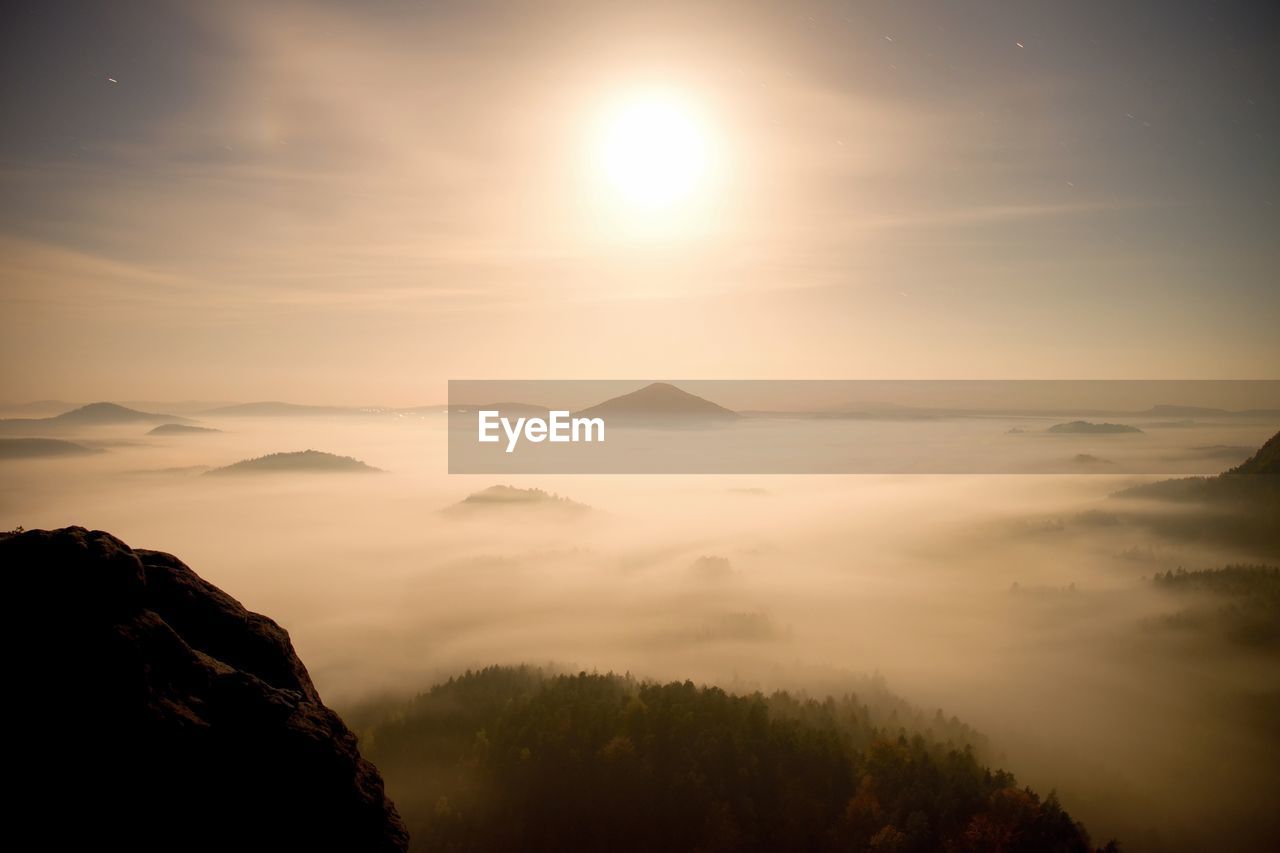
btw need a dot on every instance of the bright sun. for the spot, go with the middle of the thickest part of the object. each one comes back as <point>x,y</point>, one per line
<point>654,152</point>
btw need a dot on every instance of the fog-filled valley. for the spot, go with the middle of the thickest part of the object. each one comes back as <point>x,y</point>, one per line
<point>1031,607</point>
<point>718,427</point>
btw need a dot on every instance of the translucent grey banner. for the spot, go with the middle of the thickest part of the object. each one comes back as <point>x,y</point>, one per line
<point>1175,427</point>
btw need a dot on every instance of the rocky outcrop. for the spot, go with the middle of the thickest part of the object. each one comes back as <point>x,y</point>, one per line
<point>151,711</point>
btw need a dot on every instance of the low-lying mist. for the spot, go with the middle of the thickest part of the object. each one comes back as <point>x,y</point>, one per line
<point>981,595</point>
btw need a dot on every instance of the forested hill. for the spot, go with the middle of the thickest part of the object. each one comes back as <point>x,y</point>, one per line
<point>1239,604</point>
<point>512,759</point>
<point>1239,507</point>
<point>1253,484</point>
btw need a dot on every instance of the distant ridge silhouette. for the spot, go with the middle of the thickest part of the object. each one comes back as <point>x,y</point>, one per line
<point>275,409</point>
<point>111,413</point>
<point>1178,411</point>
<point>93,414</point>
<point>508,409</point>
<point>41,448</point>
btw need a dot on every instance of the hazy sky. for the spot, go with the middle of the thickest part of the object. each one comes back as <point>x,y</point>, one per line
<point>353,202</point>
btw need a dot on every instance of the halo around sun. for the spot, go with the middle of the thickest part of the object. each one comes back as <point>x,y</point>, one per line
<point>653,153</point>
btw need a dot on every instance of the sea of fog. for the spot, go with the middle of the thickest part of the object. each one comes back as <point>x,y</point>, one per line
<point>973,593</point>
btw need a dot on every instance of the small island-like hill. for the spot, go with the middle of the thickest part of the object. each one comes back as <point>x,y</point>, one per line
<point>302,461</point>
<point>1090,428</point>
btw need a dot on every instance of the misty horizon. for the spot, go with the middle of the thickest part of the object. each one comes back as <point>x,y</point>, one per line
<point>725,427</point>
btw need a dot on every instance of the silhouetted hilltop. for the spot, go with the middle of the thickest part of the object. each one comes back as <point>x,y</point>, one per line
<point>275,409</point>
<point>110,413</point>
<point>180,429</point>
<point>305,461</point>
<point>33,448</point>
<point>152,712</point>
<point>94,414</point>
<point>1251,481</point>
<point>504,497</point>
<point>659,400</point>
<point>1265,461</point>
<point>1239,507</point>
<point>1088,428</point>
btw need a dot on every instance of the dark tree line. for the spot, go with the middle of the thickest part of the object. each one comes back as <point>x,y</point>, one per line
<point>1238,603</point>
<point>515,759</point>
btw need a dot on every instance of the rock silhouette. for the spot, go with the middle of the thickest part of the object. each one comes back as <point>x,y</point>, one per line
<point>153,712</point>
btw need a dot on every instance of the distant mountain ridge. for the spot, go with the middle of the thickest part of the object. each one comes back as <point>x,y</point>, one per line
<point>1170,410</point>
<point>112,413</point>
<point>860,409</point>
<point>93,414</point>
<point>41,448</point>
<point>516,409</point>
<point>1167,410</point>
<point>275,409</point>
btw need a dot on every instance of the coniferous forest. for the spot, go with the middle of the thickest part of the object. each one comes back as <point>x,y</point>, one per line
<point>515,758</point>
